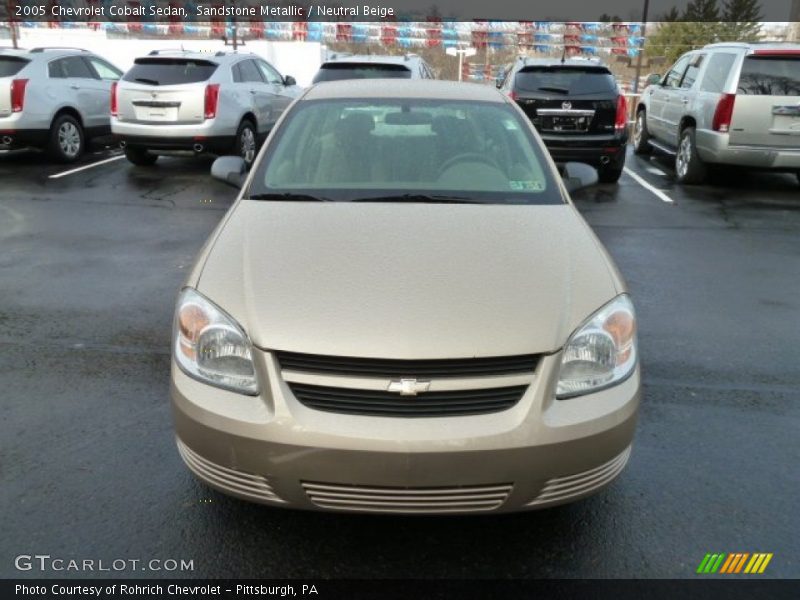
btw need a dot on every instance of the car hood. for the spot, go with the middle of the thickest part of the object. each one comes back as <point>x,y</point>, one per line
<point>407,280</point>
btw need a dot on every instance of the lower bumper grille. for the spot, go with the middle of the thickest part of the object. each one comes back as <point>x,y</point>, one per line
<point>562,489</point>
<point>232,481</point>
<point>478,498</point>
<point>390,404</point>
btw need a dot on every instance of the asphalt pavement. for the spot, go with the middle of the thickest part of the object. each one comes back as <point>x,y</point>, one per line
<point>90,264</point>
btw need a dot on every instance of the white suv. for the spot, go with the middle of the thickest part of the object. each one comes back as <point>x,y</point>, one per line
<point>176,101</point>
<point>54,98</point>
<point>727,104</point>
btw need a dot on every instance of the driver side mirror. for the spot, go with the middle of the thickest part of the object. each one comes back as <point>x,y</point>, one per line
<point>653,79</point>
<point>577,176</point>
<point>498,82</point>
<point>289,81</point>
<point>230,169</point>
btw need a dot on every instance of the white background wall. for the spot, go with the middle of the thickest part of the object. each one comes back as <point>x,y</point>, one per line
<point>298,59</point>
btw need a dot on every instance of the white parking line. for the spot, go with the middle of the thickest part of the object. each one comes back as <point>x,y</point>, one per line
<point>656,171</point>
<point>84,167</point>
<point>638,179</point>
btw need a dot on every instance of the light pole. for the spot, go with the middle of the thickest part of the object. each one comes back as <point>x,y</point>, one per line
<point>641,50</point>
<point>461,52</point>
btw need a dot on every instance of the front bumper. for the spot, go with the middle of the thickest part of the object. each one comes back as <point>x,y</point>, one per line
<point>715,148</point>
<point>274,450</point>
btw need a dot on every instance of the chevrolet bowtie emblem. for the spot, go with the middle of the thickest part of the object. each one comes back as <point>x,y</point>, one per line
<point>409,387</point>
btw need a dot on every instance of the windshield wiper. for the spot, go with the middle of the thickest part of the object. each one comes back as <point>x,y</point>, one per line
<point>290,197</point>
<point>146,80</point>
<point>422,198</point>
<point>558,90</point>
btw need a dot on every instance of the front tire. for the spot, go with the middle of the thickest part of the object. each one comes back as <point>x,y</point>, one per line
<point>246,142</point>
<point>67,141</point>
<point>689,167</point>
<point>641,137</point>
<point>140,157</point>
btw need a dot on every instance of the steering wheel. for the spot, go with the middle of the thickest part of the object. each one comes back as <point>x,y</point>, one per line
<point>468,157</point>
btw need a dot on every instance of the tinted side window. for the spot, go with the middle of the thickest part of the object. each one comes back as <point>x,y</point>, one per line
<point>692,71</point>
<point>249,72</point>
<point>269,73</point>
<point>776,75</point>
<point>105,70</point>
<point>717,71</point>
<point>675,74</point>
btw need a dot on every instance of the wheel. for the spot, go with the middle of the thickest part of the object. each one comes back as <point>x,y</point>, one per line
<point>689,167</point>
<point>641,137</point>
<point>140,157</point>
<point>67,141</point>
<point>246,142</point>
<point>610,173</point>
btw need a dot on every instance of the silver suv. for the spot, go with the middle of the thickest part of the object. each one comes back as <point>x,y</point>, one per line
<point>725,104</point>
<point>175,101</point>
<point>54,98</point>
<point>354,66</point>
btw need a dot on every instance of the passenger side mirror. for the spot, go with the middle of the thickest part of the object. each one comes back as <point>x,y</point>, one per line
<point>577,176</point>
<point>229,169</point>
<point>289,81</point>
<point>498,82</point>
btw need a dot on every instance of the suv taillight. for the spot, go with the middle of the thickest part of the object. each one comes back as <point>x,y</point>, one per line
<point>621,119</point>
<point>513,95</point>
<point>18,94</point>
<point>114,105</point>
<point>724,113</point>
<point>212,98</point>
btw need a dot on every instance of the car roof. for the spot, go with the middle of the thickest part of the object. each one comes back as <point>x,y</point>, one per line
<point>755,45</point>
<point>558,62</point>
<point>217,56</point>
<point>387,59</point>
<point>421,89</point>
<point>49,53</point>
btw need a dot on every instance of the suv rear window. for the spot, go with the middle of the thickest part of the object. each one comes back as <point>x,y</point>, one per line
<point>170,71</point>
<point>572,81</point>
<point>353,70</point>
<point>11,65</point>
<point>770,75</point>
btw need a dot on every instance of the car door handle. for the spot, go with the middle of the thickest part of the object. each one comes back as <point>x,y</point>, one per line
<point>252,91</point>
<point>75,87</point>
<point>685,100</point>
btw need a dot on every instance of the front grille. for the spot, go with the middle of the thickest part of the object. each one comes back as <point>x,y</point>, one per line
<point>389,368</point>
<point>473,498</point>
<point>563,489</point>
<point>390,404</point>
<point>229,480</point>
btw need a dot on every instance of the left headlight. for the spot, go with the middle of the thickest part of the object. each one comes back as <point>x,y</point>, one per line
<point>600,353</point>
<point>210,346</point>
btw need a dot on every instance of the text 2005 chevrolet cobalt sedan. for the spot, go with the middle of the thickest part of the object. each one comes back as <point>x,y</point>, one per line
<point>403,312</point>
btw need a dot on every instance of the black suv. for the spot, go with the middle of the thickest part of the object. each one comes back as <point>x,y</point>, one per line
<point>577,108</point>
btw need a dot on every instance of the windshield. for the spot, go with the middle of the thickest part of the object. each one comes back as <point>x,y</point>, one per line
<point>11,65</point>
<point>572,81</point>
<point>169,71</point>
<point>353,70</point>
<point>405,150</point>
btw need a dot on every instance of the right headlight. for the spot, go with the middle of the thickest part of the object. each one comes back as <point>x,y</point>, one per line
<point>209,345</point>
<point>600,353</point>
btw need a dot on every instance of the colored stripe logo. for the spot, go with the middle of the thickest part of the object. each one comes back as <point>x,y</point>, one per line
<point>737,562</point>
